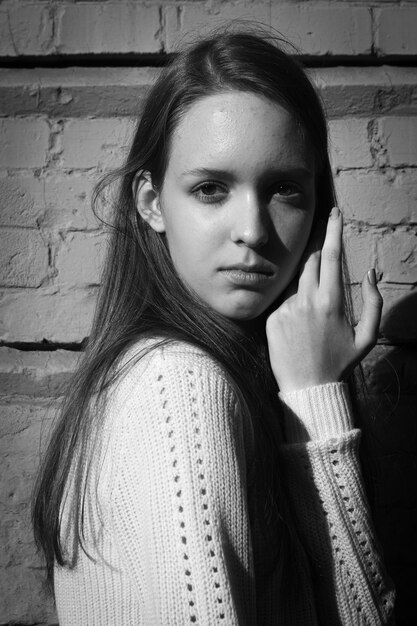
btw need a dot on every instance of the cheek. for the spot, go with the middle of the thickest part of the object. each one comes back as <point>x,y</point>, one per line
<point>191,243</point>
<point>293,230</point>
<point>193,232</point>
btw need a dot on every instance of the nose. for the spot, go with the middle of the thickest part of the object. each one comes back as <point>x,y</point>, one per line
<point>249,221</point>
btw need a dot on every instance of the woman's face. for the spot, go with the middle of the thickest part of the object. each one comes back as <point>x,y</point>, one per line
<point>237,201</point>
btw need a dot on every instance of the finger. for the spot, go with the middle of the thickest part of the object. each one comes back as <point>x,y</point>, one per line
<point>331,279</point>
<point>310,262</point>
<point>366,332</point>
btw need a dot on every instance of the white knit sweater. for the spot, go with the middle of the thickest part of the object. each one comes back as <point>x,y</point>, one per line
<point>170,540</point>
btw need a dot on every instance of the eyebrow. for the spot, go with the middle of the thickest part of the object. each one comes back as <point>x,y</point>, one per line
<point>271,174</point>
<point>205,171</point>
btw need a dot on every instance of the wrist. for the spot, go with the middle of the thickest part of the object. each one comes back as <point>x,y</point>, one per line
<point>317,413</point>
<point>304,383</point>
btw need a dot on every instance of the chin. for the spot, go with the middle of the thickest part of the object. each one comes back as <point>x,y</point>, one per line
<point>244,311</point>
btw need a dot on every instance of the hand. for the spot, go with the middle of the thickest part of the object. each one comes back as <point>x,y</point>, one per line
<point>310,340</point>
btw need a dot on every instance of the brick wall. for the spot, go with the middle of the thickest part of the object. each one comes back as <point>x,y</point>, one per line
<point>66,112</point>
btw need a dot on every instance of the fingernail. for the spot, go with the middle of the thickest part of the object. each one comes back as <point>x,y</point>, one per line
<point>372,277</point>
<point>334,213</point>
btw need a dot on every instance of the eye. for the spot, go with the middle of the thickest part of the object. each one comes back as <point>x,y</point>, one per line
<point>286,190</point>
<point>210,192</point>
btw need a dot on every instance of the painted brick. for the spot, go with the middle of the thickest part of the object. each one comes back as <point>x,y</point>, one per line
<point>25,29</point>
<point>23,432</point>
<point>395,31</point>
<point>21,200</point>
<point>400,136</point>
<point>53,201</point>
<point>378,197</point>
<point>75,91</point>
<point>23,258</point>
<point>314,29</point>
<point>80,92</point>
<point>397,254</point>
<point>32,373</point>
<point>349,144</point>
<point>23,599</point>
<point>67,201</point>
<point>21,425</point>
<point>80,258</point>
<point>32,316</point>
<point>23,142</point>
<point>96,142</point>
<point>365,90</point>
<point>108,27</point>
<point>333,28</point>
<point>360,248</point>
<point>182,22</point>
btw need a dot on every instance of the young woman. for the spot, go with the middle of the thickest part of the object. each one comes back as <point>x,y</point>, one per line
<point>205,467</point>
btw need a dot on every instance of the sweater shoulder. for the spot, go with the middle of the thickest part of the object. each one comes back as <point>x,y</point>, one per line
<point>165,385</point>
<point>154,374</point>
<point>153,359</point>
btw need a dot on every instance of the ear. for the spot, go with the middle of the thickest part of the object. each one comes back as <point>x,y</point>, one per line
<point>147,201</point>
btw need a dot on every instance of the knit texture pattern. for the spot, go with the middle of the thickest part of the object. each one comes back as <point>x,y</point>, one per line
<point>168,531</point>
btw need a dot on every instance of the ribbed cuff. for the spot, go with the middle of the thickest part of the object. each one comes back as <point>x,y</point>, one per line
<point>317,413</point>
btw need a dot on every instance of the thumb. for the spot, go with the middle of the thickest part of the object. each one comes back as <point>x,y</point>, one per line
<point>366,332</point>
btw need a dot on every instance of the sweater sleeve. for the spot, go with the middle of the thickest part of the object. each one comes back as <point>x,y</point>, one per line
<point>326,491</point>
<point>179,505</point>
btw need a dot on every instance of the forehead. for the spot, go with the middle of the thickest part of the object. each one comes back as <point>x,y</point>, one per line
<point>237,130</point>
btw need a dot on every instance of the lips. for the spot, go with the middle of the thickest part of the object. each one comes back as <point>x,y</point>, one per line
<point>252,276</point>
<point>255,268</point>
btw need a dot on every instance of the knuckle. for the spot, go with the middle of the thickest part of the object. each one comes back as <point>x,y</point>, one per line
<point>304,302</point>
<point>328,304</point>
<point>325,301</point>
<point>377,300</point>
<point>330,254</point>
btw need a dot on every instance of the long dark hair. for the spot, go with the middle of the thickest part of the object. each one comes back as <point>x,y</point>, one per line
<point>142,295</point>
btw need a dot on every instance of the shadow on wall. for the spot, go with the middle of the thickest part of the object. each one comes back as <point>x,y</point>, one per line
<point>393,437</point>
